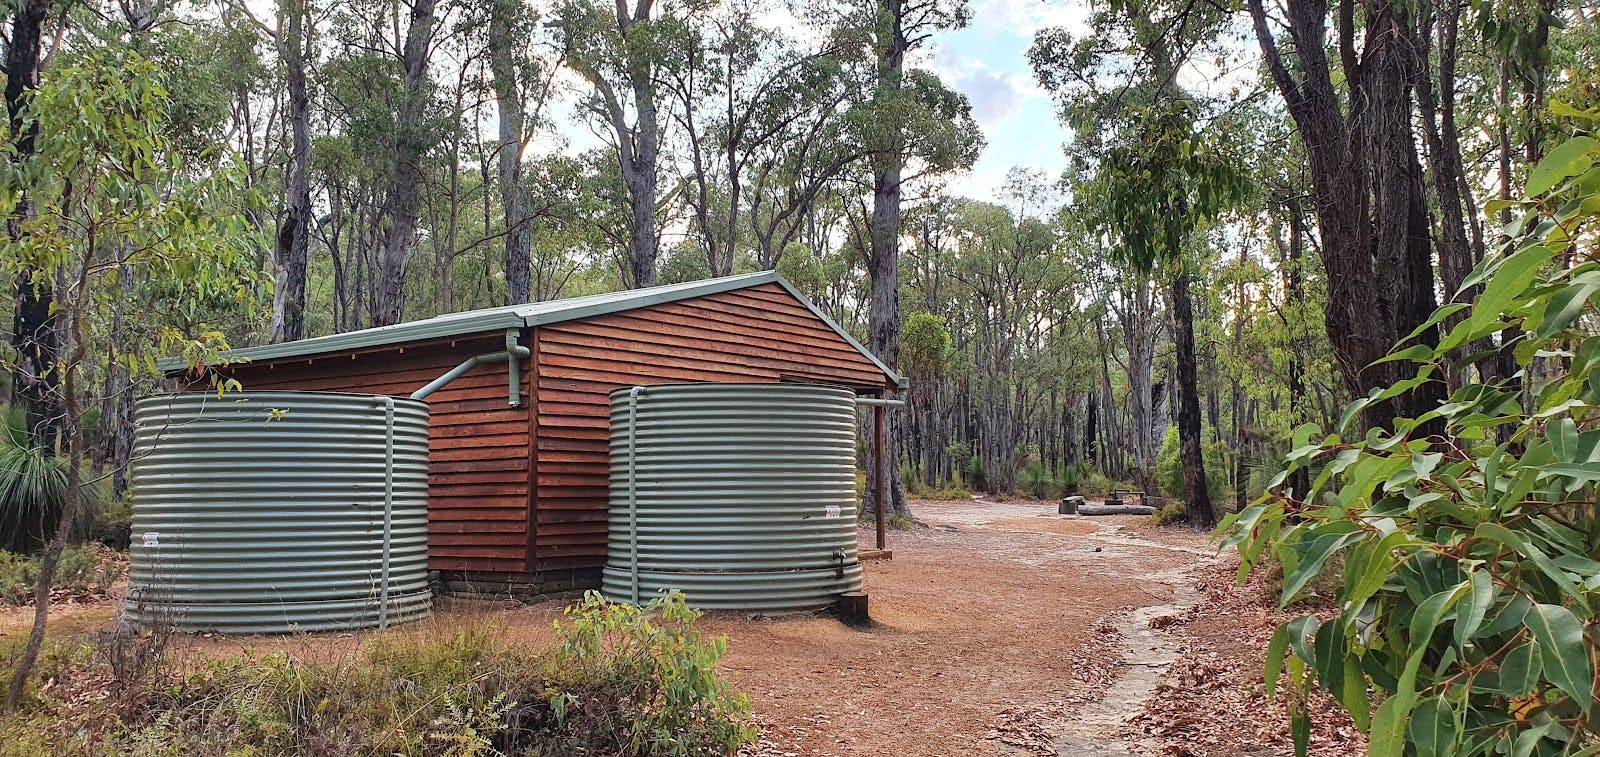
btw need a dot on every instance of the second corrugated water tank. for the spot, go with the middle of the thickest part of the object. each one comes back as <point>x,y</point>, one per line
<point>743,496</point>
<point>268,512</point>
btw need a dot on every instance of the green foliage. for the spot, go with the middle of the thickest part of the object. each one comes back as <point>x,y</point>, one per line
<point>33,491</point>
<point>682,264</point>
<point>924,344</point>
<point>112,524</point>
<point>1037,482</point>
<point>1169,468</point>
<point>83,571</point>
<point>1156,188</point>
<point>624,681</point>
<point>975,475</point>
<point>648,669</point>
<point>1097,484</point>
<point>953,491</point>
<point>1466,540</point>
<point>112,195</point>
<point>1172,512</point>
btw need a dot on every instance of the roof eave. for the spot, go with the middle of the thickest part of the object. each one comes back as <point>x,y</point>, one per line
<point>895,378</point>
<point>355,340</point>
<point>709,287</point>
<point>420,331</point>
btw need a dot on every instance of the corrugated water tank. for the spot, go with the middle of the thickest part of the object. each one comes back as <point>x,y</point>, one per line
<point>270,512</point>
<point>743,496</point>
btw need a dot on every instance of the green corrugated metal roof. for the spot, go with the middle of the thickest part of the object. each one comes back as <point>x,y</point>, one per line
<point>529,315</point>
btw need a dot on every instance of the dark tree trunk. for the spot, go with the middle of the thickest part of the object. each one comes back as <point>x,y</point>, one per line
<point>509,103</point>
<point>1300,480</point>
<point>1196,494</point>
<point>35,384</point>
<point>883,259</point>
<point>293,245</point>
<point>1366,184</point>
<point>398,222</point>
<point>1091,427</point>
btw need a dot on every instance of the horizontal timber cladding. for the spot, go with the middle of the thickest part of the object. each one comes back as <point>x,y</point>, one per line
<point>478,445</point>
<point>760,334</point>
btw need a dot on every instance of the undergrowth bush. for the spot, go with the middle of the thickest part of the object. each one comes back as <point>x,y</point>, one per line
<point>1169,469</point>
<point>1465,616</point>
<point>112,525</point>
<point>626,685</point>
<point>1037,482</point>
<point>1097,484</point>
<point>84,571</point>
<point>621,681</point>
<point>954,490</point>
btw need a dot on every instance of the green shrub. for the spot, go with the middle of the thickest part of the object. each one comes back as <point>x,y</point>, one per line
<point>1172,512</point>
<point>974,475</point>
<point>1097,484</point>
<point>1071,477</point>
<point>656,678</point>
<point>1169,470</point>
<point>83,571</point>
<point>1465,618</point>
<point>1036,482</point>
<point>33,486</point>
<point>951,491</point>
<point>623,681</point>
<point>112,525</point>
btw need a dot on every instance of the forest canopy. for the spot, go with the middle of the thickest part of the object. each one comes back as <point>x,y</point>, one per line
<point>1259,201</point>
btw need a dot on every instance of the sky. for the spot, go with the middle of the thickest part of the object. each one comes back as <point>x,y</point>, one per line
<point>987,62</point>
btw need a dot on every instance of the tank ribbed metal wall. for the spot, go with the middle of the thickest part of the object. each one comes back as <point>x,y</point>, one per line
<point>743,496</point>
<point>268,512</point>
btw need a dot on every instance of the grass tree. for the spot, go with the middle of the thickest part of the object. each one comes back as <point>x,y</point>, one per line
<point>111,197</point>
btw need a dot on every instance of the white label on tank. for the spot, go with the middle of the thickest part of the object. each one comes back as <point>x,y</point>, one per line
<point>833,511</point>
<point>152,539</point>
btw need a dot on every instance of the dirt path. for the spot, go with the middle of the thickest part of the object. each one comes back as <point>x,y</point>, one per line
<point>1002,629</point>
<point>990,612</point>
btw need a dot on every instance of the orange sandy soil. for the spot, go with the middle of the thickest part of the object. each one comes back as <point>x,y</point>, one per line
<point>984,609</point>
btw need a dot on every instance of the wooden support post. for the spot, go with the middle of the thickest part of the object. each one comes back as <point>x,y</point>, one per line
<point>879,473</point>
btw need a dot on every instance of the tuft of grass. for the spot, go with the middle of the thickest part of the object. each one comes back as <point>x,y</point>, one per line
<point>954,490</point>
<point>33,490</point>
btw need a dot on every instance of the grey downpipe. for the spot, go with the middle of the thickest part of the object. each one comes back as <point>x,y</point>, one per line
<point>514,351</point>
<point>905,387</point>
<point>633,490</point>
<point>905,390</point>
<point>388,508</point>
<point>511,356</point>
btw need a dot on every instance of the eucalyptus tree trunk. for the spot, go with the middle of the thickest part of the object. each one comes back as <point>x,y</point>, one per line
<point>1136,317</point>
<point>883,258</point>
<point>398,220</point>
<point>1196,493</point>
<point>293,244</point>
<point>35,382</point>
<point>513,117</point>
<point>1377,252</point>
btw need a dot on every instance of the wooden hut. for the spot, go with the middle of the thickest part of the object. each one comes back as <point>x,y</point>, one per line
<point>518,448</point>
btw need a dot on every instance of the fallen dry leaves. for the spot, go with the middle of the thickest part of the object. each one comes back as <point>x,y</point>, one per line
<point>1213,702</point>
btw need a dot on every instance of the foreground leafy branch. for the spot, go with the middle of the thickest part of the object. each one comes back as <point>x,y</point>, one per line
<point>1466,540</point>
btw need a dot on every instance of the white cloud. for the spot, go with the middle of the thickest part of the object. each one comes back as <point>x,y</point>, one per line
<point>1024,18</point>
<point>995,97</point>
